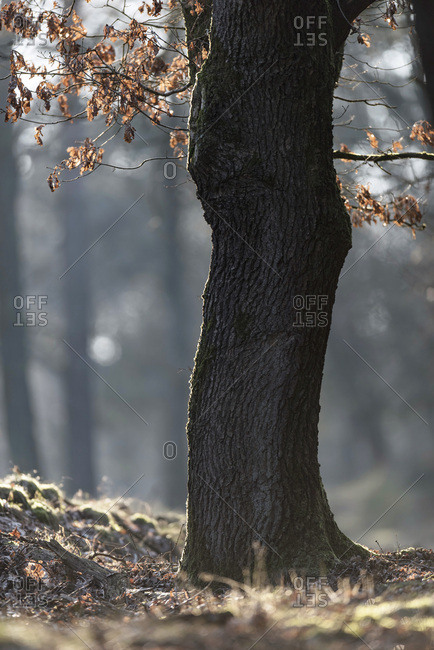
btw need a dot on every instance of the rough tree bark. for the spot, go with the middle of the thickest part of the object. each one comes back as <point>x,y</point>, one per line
<point>261,157</point>
<point>424,23</point>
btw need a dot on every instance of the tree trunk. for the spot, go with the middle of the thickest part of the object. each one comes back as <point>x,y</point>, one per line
<point>261,157</point>
<point>14,356</point>
<point>177,347</point>
<point>77,376</point>
<point>424,24</point>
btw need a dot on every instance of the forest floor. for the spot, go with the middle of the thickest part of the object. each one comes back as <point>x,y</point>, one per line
<point>97,574</point>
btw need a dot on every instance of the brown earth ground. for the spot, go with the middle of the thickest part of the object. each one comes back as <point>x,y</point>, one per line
<point>101,574</point>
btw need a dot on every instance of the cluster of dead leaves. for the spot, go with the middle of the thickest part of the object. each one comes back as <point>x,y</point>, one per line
<point>178,138</point>
<point>195,7</point>
<point>17,17</point>
<point>401,211</point>
<point>424,132</point>
<point>390,10</point>
<point>364,39</point>
<point>85,157</point>
<point>421,131</point>
<point>373,141</point>
<point>127,72</point>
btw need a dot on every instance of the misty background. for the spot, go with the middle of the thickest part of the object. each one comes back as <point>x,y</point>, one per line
<point>95,369</point>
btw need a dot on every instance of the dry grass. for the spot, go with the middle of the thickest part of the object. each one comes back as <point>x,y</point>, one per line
<point>108,581</point>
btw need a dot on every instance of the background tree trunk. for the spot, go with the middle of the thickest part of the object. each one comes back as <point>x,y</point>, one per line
<point>77,376</point>
<point>260,154</point>
<point>166,204</point>
<point>424,24</point>
<point>177,346</point>
<point>14,356</point>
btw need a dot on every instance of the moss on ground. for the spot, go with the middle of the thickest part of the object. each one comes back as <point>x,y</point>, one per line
<point>30,484</point>
<point>44,513</point>
<point>99,516</point>
<point>142,520</point>
<point>385,601</point>
<point>51,493</point>
<point>5,491</point>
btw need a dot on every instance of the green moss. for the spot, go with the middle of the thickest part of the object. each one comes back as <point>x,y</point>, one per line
<point>202,364</point>
<point>209,324</point>
<point>197,24</point>
<point>26,488</point>
<point>141,520</point>
<point>87,512</point>
<point>206,107</point>
<point>5,492</point>
<point>227,71</point>
<point>30,485</point>
<point>51,493</point>
<point>19,497</point>
<point>11,509</point>
<point>44,513</point>
<point>14,494</point>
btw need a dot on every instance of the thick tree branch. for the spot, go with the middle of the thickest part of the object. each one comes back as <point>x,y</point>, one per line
<point>383,157</point>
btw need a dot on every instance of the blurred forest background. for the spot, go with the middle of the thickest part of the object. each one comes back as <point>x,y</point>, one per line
<point>93,397</point>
